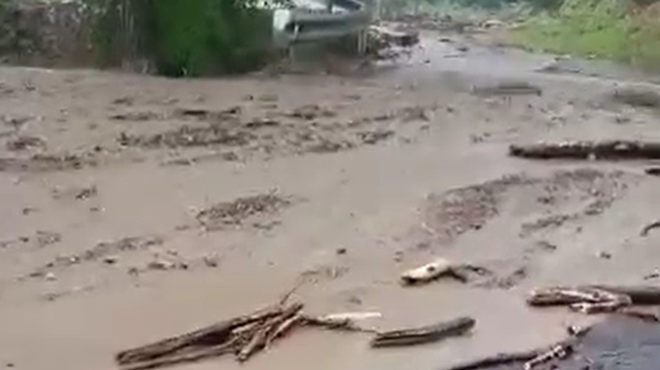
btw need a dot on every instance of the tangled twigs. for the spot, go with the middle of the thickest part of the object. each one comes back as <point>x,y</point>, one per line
<point>244,335</point>
<point>218,333</point>
<point>268,328</point>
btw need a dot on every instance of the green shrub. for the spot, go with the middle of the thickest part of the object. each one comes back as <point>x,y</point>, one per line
<point>184,37</point>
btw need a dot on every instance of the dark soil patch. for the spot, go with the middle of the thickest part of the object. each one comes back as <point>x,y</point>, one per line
<point>238,211</point>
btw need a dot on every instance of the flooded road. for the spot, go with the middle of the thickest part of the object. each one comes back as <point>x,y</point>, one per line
<point>135,208</point>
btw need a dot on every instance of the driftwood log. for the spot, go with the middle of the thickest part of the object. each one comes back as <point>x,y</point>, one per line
<point>610,149</point>
<point>426,334</point>
<point>595,298</point>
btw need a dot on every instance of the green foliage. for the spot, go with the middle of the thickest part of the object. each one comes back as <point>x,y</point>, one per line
<point>184,37</point>
<point>598,28</point>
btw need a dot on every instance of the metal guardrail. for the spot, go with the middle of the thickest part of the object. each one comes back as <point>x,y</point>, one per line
<point>298,25</point>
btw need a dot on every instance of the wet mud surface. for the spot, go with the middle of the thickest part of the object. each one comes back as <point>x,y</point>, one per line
<point>135,207</point>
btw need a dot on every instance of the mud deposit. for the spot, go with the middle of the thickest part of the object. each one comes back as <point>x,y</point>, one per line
<point>135,207</point>
<point>587,192</point>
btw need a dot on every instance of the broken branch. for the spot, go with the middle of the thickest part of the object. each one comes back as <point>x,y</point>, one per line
<point>260,338</point>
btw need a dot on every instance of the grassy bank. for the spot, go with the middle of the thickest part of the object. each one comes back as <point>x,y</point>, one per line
<point>618,30</point>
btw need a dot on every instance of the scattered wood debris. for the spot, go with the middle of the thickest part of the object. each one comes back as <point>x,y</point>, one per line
<point>647,228</point>
<point>591,299</point>
<point>608,149</point>
<point>427,334</point>
<point>235,335</point>
<point>246,335</point>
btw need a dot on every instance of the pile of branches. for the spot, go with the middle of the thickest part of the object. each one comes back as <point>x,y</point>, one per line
<point>245,335</point>
<point>242,336</point>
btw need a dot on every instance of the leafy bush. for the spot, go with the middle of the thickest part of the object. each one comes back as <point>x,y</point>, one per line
<point>183,37</point>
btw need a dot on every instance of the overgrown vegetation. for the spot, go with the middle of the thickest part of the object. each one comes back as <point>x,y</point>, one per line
<point>183,37</point>
<point>620,30</point>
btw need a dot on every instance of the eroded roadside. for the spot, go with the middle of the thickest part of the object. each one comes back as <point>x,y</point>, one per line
<point>135,208</point>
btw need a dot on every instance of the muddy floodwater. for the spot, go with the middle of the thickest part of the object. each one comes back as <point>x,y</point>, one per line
<point>135,208</point>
